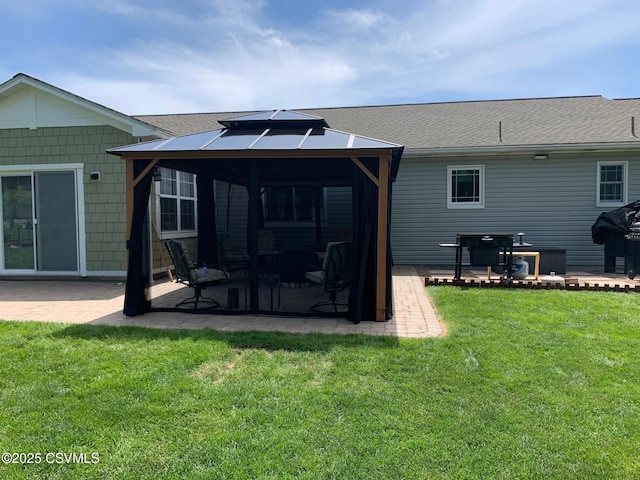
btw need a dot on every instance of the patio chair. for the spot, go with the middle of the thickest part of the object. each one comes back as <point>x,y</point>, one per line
<point>293,265</point>
<point>265,241</point>
<point>231,258</point>
<point>335,275</point>
<point>193,274</point>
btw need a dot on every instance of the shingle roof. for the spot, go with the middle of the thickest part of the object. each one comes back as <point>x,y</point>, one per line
<point>460,125</point>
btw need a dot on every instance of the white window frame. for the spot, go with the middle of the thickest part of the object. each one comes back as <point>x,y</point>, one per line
<point>464,205</point>
<point>180,232</point>
<point>295,223</point>
<point>625,184</point>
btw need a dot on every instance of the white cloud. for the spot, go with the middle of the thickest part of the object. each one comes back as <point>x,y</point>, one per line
<point>359,19</point>
<point>495,46</point>
<point>273,74</point>
<point>206,55</point>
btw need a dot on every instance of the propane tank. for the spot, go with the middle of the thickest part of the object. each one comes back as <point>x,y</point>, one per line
<point>519,268</point>
<point>552,279</point>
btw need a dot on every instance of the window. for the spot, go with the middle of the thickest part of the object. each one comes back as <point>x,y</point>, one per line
<point>177,201</point>
<point>293,204</point>
<point>465,188</point>
<point>612,183</point>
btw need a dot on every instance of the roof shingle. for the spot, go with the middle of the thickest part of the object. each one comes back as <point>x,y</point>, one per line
<point>459,125</point>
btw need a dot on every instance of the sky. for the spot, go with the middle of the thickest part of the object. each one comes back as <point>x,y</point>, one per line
<point>181,56</point>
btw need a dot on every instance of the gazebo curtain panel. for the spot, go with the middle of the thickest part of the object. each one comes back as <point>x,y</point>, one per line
<point>136,298</point>
<point>207,227</point>
<point>362,304</point>
<point>364,207</point>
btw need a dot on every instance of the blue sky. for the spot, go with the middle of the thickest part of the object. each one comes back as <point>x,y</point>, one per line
<point>168,56</point>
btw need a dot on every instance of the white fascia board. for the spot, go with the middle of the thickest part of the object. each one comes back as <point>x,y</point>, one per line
<point>119,120</point>
<point>530,149</point>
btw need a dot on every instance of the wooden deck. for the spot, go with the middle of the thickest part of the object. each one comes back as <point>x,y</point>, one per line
<point>573,280</point>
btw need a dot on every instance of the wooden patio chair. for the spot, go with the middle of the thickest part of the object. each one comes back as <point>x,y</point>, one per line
<point>335,275</point>
<point>193,274</point>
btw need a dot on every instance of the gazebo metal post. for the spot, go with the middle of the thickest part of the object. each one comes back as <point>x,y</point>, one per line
<point>129,174</point>
<point>207,221</point>
<point>317,203</point>
<point>252,240</point>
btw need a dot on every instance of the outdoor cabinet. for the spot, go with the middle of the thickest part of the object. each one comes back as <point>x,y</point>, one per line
<point>552,259</point>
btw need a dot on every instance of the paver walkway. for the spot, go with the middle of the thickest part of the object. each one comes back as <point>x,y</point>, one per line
<point>100,303</point>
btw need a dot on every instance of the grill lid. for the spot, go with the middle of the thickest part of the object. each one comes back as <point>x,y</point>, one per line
<point>635,232</point>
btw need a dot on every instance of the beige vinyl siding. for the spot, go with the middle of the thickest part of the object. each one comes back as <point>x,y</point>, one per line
<point>552,201</point>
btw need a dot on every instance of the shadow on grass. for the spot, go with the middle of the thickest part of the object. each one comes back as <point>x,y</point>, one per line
<point>270,341</point>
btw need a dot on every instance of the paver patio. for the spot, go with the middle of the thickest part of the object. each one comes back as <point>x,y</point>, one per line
<point>100,303</point>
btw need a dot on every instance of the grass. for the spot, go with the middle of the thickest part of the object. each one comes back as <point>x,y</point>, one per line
<point>528,384</point>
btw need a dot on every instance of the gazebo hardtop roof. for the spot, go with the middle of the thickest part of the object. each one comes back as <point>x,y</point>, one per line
<point>264,134</point>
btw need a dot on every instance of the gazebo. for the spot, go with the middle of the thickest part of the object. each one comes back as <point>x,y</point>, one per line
<point>274,148</point>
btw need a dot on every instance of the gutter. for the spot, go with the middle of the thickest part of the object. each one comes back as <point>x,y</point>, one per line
<point>529,149</point>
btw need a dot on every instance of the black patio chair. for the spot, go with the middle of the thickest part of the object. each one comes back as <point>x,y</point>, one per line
<point>335,275</point>
<point>195,275</point>
<point>231,258</point>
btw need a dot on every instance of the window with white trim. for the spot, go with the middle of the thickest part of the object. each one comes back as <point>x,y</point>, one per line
<point>465,186</point>
<point>612,184</point>
<point>293,205</point>
<point>177,201</point>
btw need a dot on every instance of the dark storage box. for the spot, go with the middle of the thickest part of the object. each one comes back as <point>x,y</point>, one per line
<point>552,259</point>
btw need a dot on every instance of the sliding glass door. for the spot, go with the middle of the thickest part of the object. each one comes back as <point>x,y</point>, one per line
<point>56,231</point>
<point>17,222</point>
<point>40,222</point>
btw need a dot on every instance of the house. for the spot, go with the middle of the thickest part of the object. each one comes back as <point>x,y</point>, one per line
<point>62,196</point>
<point>546,167</point>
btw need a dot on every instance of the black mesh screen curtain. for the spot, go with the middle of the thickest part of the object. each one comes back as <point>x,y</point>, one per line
<point>136,301</point>
<point>207,240</point>
<point>362,296</point>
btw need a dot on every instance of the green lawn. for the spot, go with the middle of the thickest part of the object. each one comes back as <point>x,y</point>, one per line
<point>528,384</point>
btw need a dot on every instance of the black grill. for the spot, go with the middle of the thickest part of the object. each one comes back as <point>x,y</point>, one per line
<point>633,250</point>
<point>619,232</point>
<point>485,250</point>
